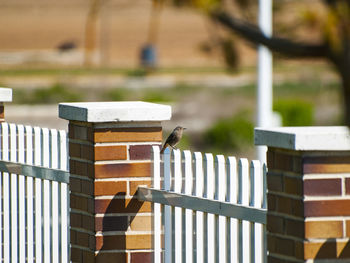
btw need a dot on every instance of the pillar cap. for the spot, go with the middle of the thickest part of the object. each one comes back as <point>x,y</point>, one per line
<point>327,138</point>
<point>5,94</point>
<point>121,111</point>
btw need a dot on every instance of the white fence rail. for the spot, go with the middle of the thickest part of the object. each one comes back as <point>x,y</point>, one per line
<point>212,210</point>
<point>34,199</point>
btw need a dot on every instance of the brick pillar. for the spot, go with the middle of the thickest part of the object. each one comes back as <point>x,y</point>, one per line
<point>110,151</point>
<point>308,184</point>
<point>5,96</point>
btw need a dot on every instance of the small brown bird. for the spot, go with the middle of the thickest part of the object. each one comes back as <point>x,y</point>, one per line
<point>173,138</point>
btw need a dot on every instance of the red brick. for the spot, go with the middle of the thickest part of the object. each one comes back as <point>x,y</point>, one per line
<point>111,223</point>
<point>323,229</point>
<point>274,182</point>
<point>283,161</point>
<point>326,164</point>
<point>347,186</point>
<point>322,187</point>
<point>331,249</point>
<point>151,134</point>
<point>119,257</point>
<point>140,152</point>
<point>115,152</point>
<point>79,132</point>
<point>133,185</point>
<point>113,242</point>
<point>122,170</point>
<point>121,206</point>
<point>141,257</point>
<point>293,185</point>
<point>110,188</point>
<point>327,208</point>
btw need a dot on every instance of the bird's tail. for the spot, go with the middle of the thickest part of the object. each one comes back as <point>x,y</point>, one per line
<point>163,149</point>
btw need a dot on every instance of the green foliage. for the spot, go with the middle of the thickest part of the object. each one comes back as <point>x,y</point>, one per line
<point>55,94</point>
<point>118,94</point>
<point>230,134</point>
<point>157,96</point>
<point>295,112</point>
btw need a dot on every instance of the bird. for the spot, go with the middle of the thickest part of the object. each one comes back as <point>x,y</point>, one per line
<point>173,138</point>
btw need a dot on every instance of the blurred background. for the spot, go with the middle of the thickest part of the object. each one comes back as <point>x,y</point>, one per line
<point>164,52</point>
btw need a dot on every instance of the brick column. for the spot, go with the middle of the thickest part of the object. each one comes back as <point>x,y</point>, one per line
<point>5,96</point>
<point>308,184</point>
<point>110,151</point>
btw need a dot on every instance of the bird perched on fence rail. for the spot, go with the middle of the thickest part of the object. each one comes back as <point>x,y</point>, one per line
<point>173,138</point>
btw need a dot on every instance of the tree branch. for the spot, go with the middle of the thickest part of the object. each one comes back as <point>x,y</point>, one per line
<point>281,45</point>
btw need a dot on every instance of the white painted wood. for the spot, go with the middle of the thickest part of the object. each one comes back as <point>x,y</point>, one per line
<point>243,169</point>
<point>63,164</point>
<point>29,189</point>
<point>178,210</point>
<point>21,197</point>
<point>54,196</point>
<point>167,209</point>
<point>187,158</point>
<point>210,188</point>
<point>13,197</point>
<point>157,207</point>
<point>220,194</point>
<point>38,196</point>
<point>6,192</point>
<point>46,197</point>
<point>199,184</point>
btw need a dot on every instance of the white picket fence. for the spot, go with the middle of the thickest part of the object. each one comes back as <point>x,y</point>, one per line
<point>207,210</point>
<point>34,194</point>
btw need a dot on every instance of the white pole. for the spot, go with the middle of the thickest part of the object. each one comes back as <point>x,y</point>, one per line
<point>264,92</point>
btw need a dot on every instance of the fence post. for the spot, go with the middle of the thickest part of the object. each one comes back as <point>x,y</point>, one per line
<point>5,96</point>
<point>308,183</point>
<point>110,151</point>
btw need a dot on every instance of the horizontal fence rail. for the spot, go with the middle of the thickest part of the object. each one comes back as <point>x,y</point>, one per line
<point>34,194</point>
<point>207,209</point>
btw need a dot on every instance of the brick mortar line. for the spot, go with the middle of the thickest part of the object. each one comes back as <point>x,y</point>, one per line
<point>327,198</point>
<point>81,160</point>
<point>124,179</point>
<point>295,197</point>
<point>80,141</point>
<point>82,248</point>
<point>125,143</point>
<point>122,161</point>
<point>113,197</point>
<point>282,257</point>
<point>80,212</point>
<point>325,176</point>
<point>284,236</point>
<point>284,173</point>
<point>123,233</point>
<point>82,230</point>
<point>101,215</point>
<point>286,216</point>
<point>82,195</point>
<point>104,251</point>
<point>323,240</point>
<point>327,218</point>
<point>81,177</point>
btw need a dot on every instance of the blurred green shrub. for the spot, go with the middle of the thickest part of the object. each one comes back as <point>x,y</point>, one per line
<point>230,134</point>
<point>55,94</point>
<point>295,112</point>
<point>118,94</point>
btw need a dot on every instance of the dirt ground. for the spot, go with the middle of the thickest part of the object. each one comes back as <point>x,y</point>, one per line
<point>38,26</point>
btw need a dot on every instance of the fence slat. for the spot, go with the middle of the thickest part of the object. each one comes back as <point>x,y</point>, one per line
<point>210,188</point>
<point>244,198</point>
<point>38,199</point>
<point>167,209</point>
<point>22,194</point>
<point>198,170</point>
<point>13,196</point>
<point>54,196</point>
<point>178,210</point>
<point>30,220</point>
<point>220,194</point>
<point>188,212</point>
<point>6,192</point>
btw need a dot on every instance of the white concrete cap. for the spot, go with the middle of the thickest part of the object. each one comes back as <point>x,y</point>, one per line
<point>327,138</point>
<point>123,111</point>
<point>5,95</point>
